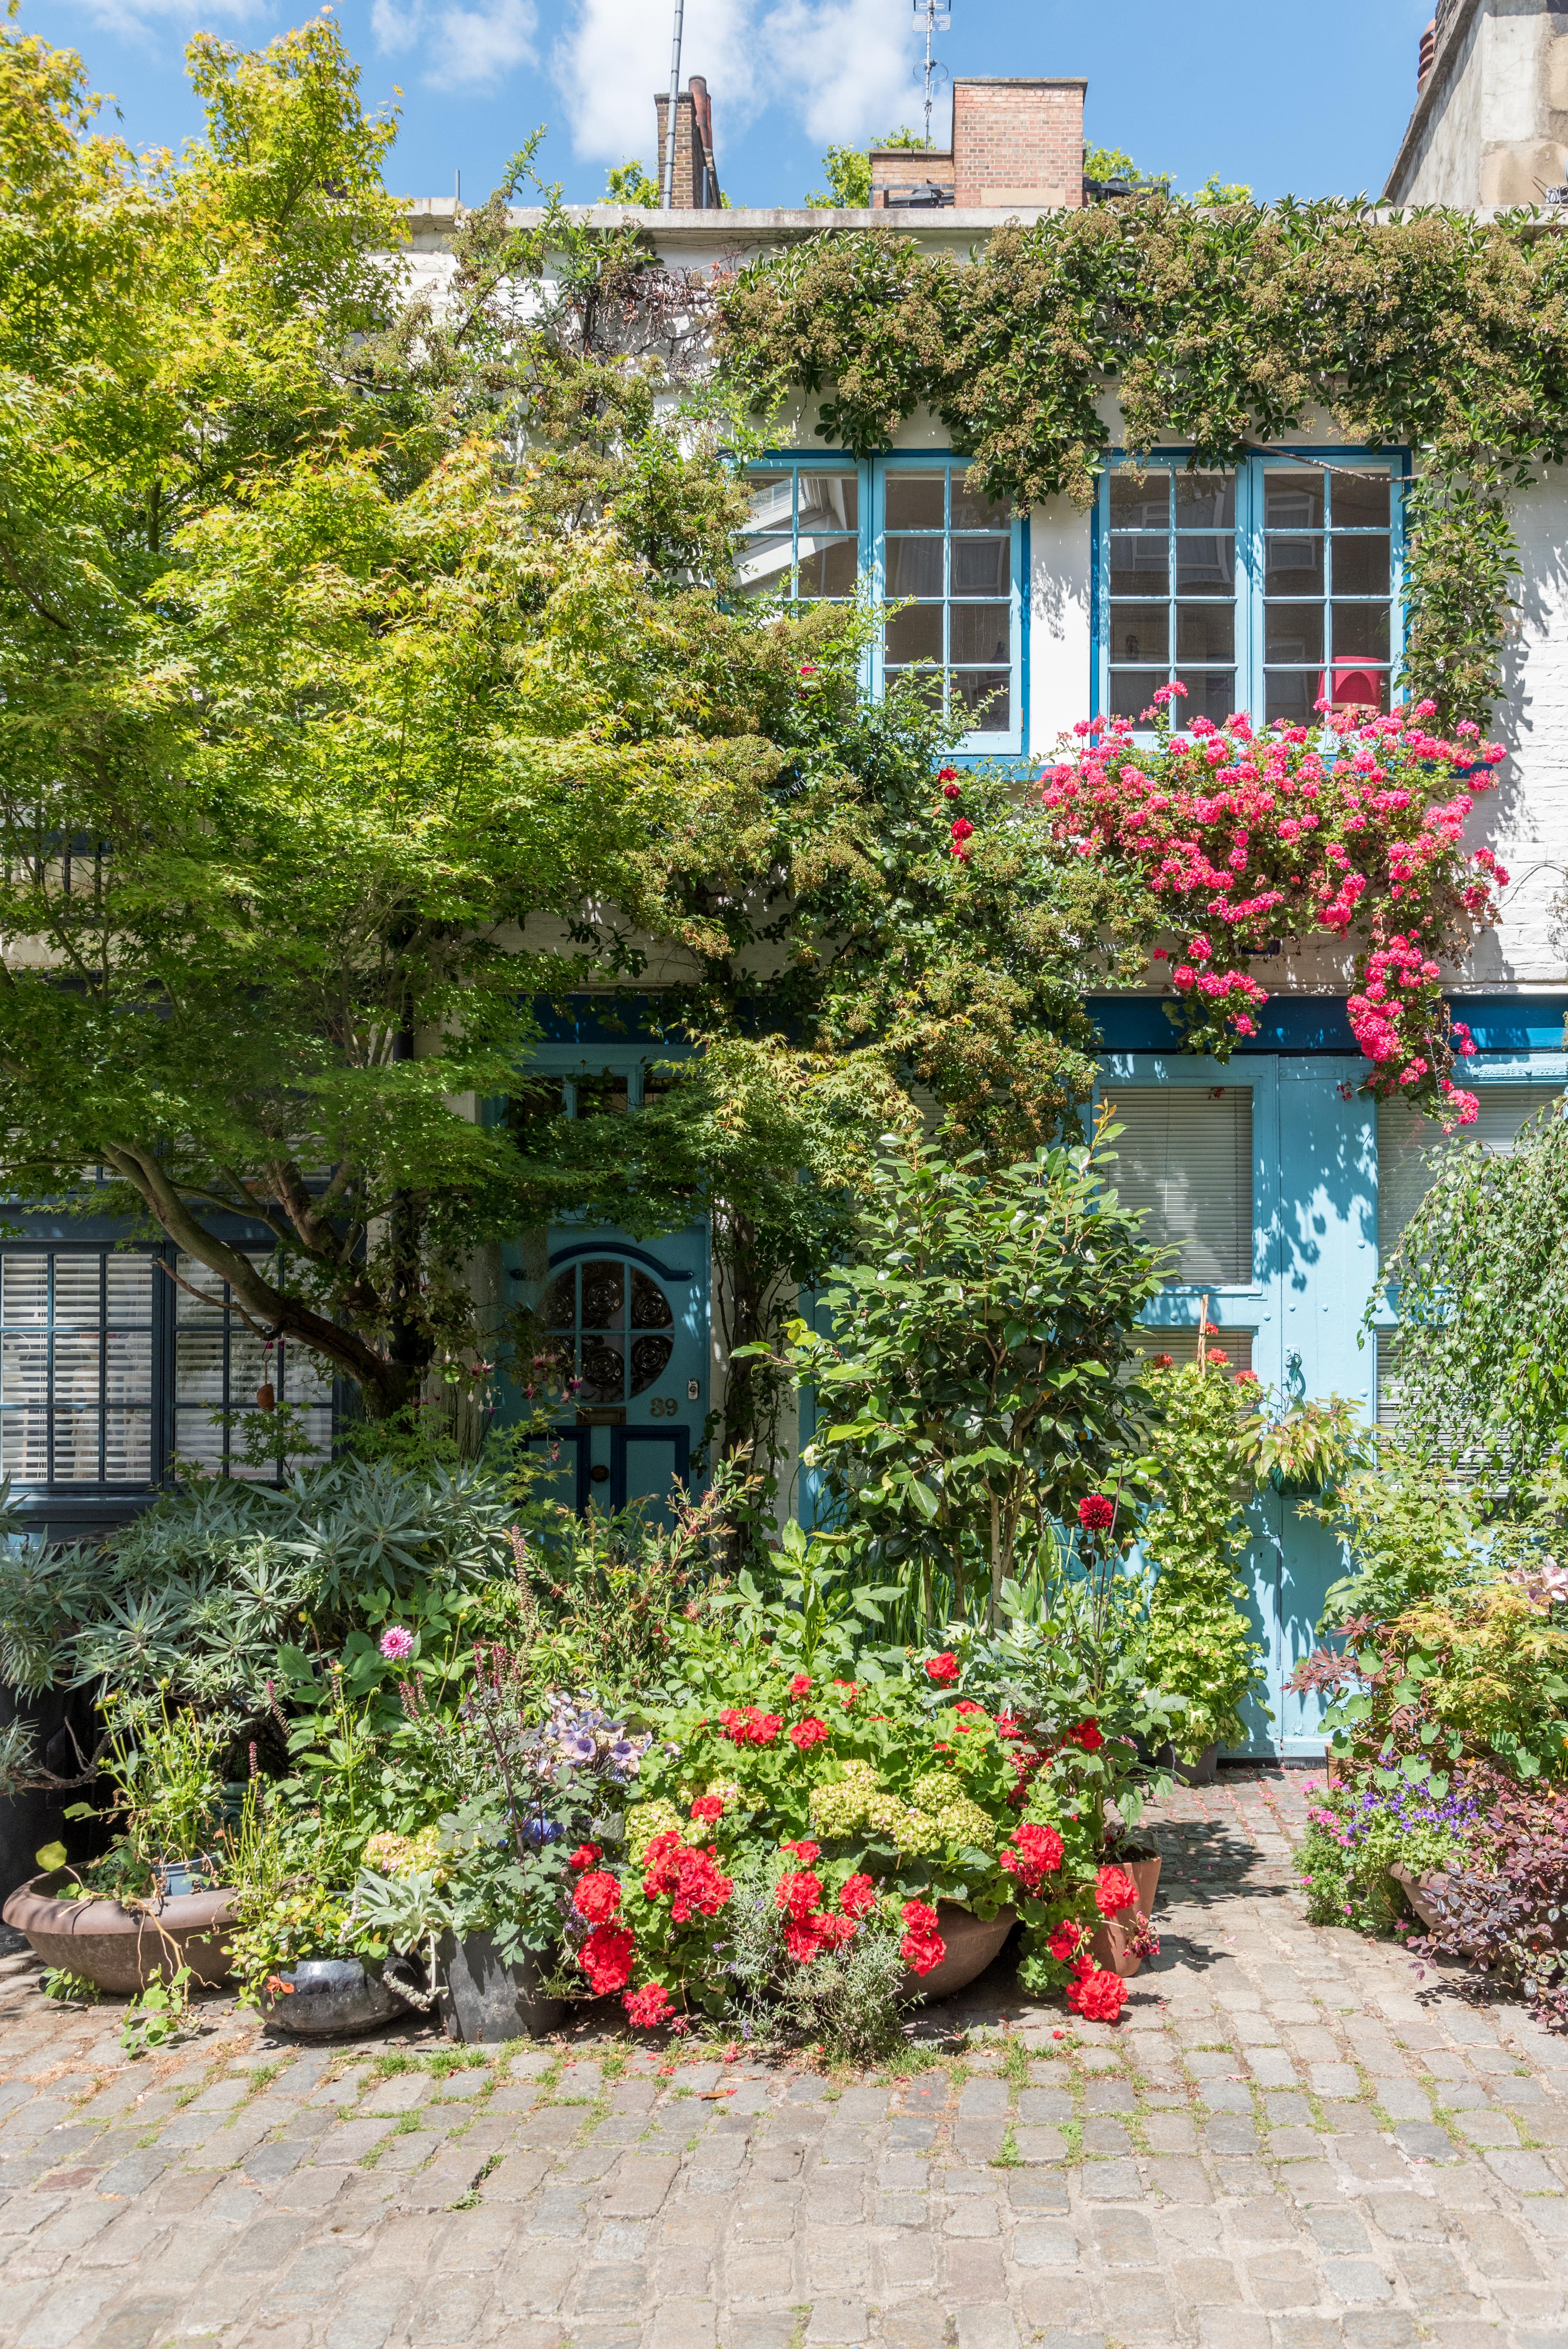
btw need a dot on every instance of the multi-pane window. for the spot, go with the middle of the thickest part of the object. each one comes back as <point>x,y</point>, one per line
<point>950,550</point>
<point>1172,566</point>
<point>918,538</point>
<point>1267,589</point>
<point>1328,578</point>
<point>802,539</point>
<point>221,1366</point>
<point>612,1324</point>
<point>75,1366</point>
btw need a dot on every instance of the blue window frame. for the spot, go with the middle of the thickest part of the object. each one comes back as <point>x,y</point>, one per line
<point>908,531</point>
<point>1262,588</point>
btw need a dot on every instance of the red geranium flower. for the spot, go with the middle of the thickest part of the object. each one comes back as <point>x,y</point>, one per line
<point>800,1684</point>
<point>709,1806</point>
<point>1096,1513</point>
<point>1099,1996</point>
<point>584,1855</point>
<point>694,1885</point>
<point>800,1892</point>
<point>1222,1359</point>
<point>605,1958</point>
<point>1065,1938</point>
<point>807,1734</point>
<point>749,1725</point>
<point>1114,1891</point>
<point>967,1704</point>
<point>943,1670</point>
<point>858,1896</point>
<point>1032,1854</point>
<point>1088,1735</point>
<point>649,2005</point>
<point>922,1947</point>
<point>804,1852</point>
<point>597,1896</point>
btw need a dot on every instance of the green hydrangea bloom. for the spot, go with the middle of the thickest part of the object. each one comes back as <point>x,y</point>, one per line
<point>963,1821</point>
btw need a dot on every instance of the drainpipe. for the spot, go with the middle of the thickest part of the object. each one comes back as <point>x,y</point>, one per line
<point>674,103</point>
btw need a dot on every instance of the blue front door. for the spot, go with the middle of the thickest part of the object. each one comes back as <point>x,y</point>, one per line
<point>627,1323</point>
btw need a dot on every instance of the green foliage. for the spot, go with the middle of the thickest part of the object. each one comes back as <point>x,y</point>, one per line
<point>1224,322</point>
<point>848,171</point>
<point>975,1381</point>
<point>1481,1277</point>
<point>159,2015</point>
<point>70,1989</point>
<point>628,183</point>
<point>1409,1534</point>
<point>1199,1644</point>
<point>1355,1838</point>
<point>1310,1445</point>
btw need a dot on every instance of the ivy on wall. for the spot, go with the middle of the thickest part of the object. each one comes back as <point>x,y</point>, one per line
<point>1225,327</point>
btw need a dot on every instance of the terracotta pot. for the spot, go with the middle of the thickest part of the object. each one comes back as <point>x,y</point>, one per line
<point>1110,1943</point>
<point>123,1949</point>
<point>972,1944</point>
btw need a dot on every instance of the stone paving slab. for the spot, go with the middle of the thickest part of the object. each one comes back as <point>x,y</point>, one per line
<point>1290,2141</point>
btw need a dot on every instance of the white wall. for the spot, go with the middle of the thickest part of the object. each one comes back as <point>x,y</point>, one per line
<point>1490,126</point>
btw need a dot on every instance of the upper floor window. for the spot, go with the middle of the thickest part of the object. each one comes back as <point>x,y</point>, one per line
<point>1266,589</point>
<point>909,529</point>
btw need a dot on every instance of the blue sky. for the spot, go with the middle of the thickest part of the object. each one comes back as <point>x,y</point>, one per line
<point>1310,103</point>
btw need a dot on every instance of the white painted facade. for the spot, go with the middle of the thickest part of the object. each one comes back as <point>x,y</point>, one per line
<point>1491,121</point>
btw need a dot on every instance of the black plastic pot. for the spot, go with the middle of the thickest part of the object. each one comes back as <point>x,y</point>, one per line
<point>332,1997</point>
<point>483,1999</point>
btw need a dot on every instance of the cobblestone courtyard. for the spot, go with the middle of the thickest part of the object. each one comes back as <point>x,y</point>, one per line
<point>1288,2143</point>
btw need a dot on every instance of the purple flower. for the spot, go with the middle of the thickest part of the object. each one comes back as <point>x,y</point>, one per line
<point>396,1644</point>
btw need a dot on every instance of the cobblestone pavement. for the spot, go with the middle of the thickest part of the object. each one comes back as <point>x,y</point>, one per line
<point>1289,2142</point>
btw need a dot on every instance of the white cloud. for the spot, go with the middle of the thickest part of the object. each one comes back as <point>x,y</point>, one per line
<point>461,48</point>
<point>839,67</point>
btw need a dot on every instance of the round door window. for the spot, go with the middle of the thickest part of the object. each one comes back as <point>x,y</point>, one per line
<point>614,1324</point>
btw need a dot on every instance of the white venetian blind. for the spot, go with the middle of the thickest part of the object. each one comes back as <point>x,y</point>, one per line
<point>1406,1138</point>
<point>1182,1345</point>
<point>1185,1155</point>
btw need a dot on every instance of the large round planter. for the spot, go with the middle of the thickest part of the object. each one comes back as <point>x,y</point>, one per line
<point>331,1998</point>
<point>484,2001</point>
<point>1109,1942</point>
<point>123,1949</point>
<point>972,1944</point>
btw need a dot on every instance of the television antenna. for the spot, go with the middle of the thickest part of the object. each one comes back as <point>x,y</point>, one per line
<point>931,17</point>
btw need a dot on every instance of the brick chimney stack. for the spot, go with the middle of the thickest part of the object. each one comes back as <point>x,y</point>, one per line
<point>697,176</point>
<point>1017,142</point>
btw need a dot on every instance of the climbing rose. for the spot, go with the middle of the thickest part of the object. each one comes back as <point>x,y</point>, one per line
<point>943,1670</point>
<point>859,1896</point>
<point>800,1684</point>
<point>922,1947</point>
<point>1098,1996</point>
<point>397,1643</point>
<point>597,1896</point>
<point>962,829</point>
<point>709,1806</point>
<point>1096,1513</point>
<point>807,1734</point>
<point>605,1958</point>
<point>649,2005</point>
<point>1114,1891</point>
<point>1033,1854</point>
<point>584,1855</point>
<point>947,774</point>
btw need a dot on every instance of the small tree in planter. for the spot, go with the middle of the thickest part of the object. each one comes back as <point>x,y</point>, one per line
<point>976,1382</point>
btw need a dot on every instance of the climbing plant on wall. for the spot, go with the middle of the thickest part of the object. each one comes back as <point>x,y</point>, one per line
<point>1228,327</point>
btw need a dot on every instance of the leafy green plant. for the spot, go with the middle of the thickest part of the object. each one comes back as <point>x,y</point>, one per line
<point>159,2015</point>
<point>70,1989</point>
<point>974,1384</point>
<point>1200,1645</point>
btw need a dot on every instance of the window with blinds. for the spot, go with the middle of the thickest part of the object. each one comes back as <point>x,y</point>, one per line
<point>1406,1141</point>
<point>219,1365</point>
<point>1185,1155</point>
<point>75,1366</point>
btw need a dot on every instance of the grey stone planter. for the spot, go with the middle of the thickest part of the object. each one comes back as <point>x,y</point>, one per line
<point>483,2000</point>
<point>332,1997</point>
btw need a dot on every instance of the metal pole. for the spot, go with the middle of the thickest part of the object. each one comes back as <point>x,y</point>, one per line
<point>674,98</point>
